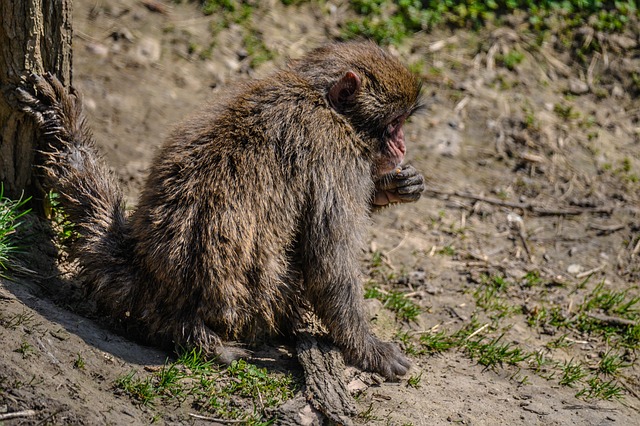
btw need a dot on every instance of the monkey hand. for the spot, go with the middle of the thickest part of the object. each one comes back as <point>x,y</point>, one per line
<point>56,110</point>
<point>403,185</point>
<point>384,358</point>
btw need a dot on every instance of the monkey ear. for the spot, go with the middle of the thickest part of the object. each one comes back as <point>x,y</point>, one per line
<point>344,90</point>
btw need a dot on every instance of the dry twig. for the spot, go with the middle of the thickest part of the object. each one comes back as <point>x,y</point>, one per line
<point>590,272</point>
<point>215,419</point>
<point>612,320</point>
<point>17,414</point>
<point>156,7</point>
<point>533,208</point>
<point>606,229</point>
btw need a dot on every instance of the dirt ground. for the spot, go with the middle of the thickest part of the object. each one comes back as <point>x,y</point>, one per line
<point>530,169</point>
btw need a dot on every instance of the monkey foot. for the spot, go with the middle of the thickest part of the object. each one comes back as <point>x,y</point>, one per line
<point>384,358</point>
<point>56,110</point>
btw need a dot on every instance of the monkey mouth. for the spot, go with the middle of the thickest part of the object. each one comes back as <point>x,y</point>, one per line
<point>394,152</point>
<point>386,165</point>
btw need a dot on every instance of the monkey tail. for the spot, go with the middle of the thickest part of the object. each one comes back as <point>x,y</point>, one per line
<point>88,191</point>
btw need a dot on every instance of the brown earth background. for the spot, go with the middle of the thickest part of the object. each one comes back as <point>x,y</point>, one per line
<point>532,171</point>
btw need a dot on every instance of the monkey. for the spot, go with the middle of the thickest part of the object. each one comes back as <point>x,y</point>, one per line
<point>254,209</point>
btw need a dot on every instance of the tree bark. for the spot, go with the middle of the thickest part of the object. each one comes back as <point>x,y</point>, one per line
<point>325,398</point>
<point>323,372</point>
<point>35,36</point>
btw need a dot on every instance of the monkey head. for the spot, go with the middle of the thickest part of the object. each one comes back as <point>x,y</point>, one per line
<point>373,91</point>
<point>378,122</point>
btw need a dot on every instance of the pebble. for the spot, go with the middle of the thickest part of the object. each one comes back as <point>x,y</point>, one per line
<point>574,269</point>
<point>356,386</point>
<point>122,34</point>
<point>98,49</point>
<point>617,91</point>
<point>417,277</point>
<point>578,87</point>
<point>148,50</point>
<point>626,43</point>
<point>431,289</point>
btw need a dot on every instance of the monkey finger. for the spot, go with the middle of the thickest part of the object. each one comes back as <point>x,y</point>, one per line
<point>387,360</point>
<point>410,189</point>
<point>25,97</point>
<point>406,171</point>
<point>400,182</point>
<point>411,181</point>
<point>411,185</point>
<point>408,198</point>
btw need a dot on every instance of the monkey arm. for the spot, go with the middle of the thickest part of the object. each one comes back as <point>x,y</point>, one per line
<point>400,186</point>
<point>331,243</point>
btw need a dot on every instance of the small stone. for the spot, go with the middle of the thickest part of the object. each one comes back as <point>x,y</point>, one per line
<point>617,91</point>
<point>97,49</point>
<point>90,104</point>
<point>122,34</point>
<point>574,269</point>
<point>148,50</point>
<point>578,87</point>
<point>626,43</point>
<point>356,386</point>
<point>60,334</point>
<point>417,277</point>
<point>431,289</point>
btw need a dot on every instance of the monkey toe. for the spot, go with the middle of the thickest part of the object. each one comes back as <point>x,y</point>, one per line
<point>38,100</point>
<point>398,364</point>
<point>45,94</point>
<point>386,359</point>
<point>410,193</point>
<point>33,106</point>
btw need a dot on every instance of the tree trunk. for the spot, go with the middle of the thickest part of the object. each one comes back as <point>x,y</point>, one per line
<point>35,36</point>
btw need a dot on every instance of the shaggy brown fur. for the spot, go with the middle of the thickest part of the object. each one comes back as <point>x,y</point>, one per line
<point>253,210</point>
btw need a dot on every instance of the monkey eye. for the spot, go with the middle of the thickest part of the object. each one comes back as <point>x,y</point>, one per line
<point>396,123</point>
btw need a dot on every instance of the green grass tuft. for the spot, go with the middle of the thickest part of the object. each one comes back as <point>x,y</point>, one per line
<point>390,22</point>
<point>404,308</point>
<point>239,392</point>
<point>601,389</point>
<point>10,213</point>
<point>572,372</point>
<point>65,229</point>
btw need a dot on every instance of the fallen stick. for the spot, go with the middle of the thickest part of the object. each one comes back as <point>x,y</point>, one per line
<point>16,414</point>
<point>477,331</point>
<point>217,420</point>
<point>612,320</point>
<point>543,211</point>
<point>607,228</point>
<point>590,272</point>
